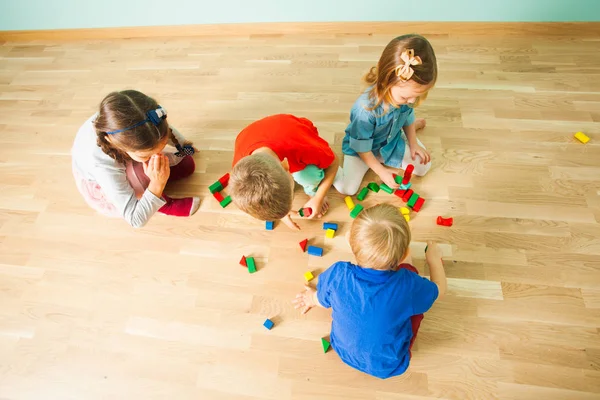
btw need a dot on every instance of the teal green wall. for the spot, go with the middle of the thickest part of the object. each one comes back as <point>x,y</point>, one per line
<point>61,14</point>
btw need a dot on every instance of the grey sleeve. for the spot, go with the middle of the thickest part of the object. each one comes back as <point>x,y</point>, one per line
<point>119,192</point>
<point>180,138</point>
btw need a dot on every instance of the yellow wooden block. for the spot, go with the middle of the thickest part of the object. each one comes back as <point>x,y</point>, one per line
<point>406,217</point>
<point>582,137</point>
<point>329,233</point>
<point>404,210</point>
<point>349,203</point>
<point>308,276</point>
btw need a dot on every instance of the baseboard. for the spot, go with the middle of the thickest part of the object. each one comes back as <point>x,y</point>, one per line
<point>574,29</point>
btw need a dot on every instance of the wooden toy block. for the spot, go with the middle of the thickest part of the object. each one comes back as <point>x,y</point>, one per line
<point>399,192</point>
<point>269,225</point>
<point>407,217</point>
<point>218,196</point>
<point>330,225</point>
<point>243,261</point>
<point>224,180</point>
<point>445,221</point>
<point>356,210</point>
<point>308,276</point>
<point>315,251</point>
<point>225,201</point>
<point>251,264</point>
<point>398,179</point>
<point>349,202</point>
<point>407,186</point>
<point>407,194</point>
<point>268,324</point>
<point>303,244</point>
<point>373,187</point>
<point>412,200</point>
<point>386,188</point>
<point>330,233</point>
<point>404,211</point>
<point>325,343</point>
<point>418,204</point>
<point>216,187</point>
<point>408,173</point>
<point>305,212</point>
<point>582,137</point>
<point>363,193</point>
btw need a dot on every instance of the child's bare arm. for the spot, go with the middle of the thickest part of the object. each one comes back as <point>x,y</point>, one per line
<point>327,181</point>
<point>306,300</point>
<point>433,255</point>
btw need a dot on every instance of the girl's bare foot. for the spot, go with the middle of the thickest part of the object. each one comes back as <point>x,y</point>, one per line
<point>420,124</point>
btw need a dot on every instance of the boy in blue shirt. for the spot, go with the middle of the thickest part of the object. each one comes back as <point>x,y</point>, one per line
<point>378,304</point>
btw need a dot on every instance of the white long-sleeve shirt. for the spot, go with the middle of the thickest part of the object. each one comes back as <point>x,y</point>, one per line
<point>110,175</point>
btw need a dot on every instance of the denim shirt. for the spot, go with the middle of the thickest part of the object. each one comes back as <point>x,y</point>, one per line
<point>377,131</point>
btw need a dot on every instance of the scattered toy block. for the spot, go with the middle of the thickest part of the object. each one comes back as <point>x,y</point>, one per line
<point>404,211</point>
<point>398,179</point>
<point>226,201</point>
<point>418,204</point>
<point>445,221</point>
<point>330,225</point>
<point>412,200</point>
<point>349,202</point>
<point>330,233</point>
<point>406,217</point>
<point>386,188</point>
<point>315,251</point>
<point>303,244</point>
<point>243,261</point>
<point>305,212</point>
<point>408,173</point>
<point>224,180</point>
<point>582,137</point>
<point>363,193</point>
<point>218,196</point>
<point>405,187</point>
<point>407,194</point>
<point>216,187</point>
<point>399,192</point>
<point>251,264</point>
<point>268,324</point>
<point>308,276</point>
<point>326,345</point>
<point>269,225</point>
<point>356,210</point>
<point>373,187</point>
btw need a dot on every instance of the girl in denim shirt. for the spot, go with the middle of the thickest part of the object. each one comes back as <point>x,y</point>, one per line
<point>382,130</point>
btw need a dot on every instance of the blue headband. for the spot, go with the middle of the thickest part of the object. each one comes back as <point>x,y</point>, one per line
<point>154,116</point>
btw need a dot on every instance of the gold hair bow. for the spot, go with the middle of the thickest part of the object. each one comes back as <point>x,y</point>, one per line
<point>405,71</point>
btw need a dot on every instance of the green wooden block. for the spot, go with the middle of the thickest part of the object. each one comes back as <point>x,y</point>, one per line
<point>215,187</point>
<point>413,199</point>
<point>373,187</point>
<point>225,201</point>
<point>325,343</point>
<point>251,264</point>
<point>301,212</point>
<point>398,179</point>
<point>363,193</point>
<point>356,210</point>
<point>386,188</point>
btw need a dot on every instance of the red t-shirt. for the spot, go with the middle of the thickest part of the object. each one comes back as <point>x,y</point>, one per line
<point>296,139</point>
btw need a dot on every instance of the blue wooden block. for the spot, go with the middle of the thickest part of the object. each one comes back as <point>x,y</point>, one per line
<point>315,251</point>
<point>405,187</point>
<point>268,324</point>
<point>269,225</point>
<point>330,225</point>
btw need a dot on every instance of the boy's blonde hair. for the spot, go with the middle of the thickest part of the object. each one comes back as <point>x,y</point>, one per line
<point>380,237</point>
<point>261,187</point>
<point>384,75</point>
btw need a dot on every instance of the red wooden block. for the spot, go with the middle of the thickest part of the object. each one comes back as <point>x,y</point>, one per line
<point>408,173</point>
<point>218,196</point>
<point>224,179</point>
<point>407,194</point>
<point>399,192</point>
<point>445,221</point>
<point>418,204</point>
<point>243,261</point>
<point>303,244</point>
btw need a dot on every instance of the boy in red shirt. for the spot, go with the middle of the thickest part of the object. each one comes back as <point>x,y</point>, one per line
<point>270,154</point>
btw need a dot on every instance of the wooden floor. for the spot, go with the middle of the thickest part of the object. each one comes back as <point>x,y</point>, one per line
<point>93,309</point>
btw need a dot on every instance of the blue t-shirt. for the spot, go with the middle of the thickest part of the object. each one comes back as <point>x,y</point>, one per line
<point>371,328</point>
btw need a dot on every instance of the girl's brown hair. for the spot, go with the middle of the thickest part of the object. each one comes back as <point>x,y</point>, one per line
<point>383,77</point>
<point>120,110</point>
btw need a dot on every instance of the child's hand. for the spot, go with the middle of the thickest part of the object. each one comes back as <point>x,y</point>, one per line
<point>318,205</point>
<point>433,252</point>
<point>388,178</point>
<point>417,150</point>
<point>157,169</point>
<point>288,221</point>
<point>305,299</point>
